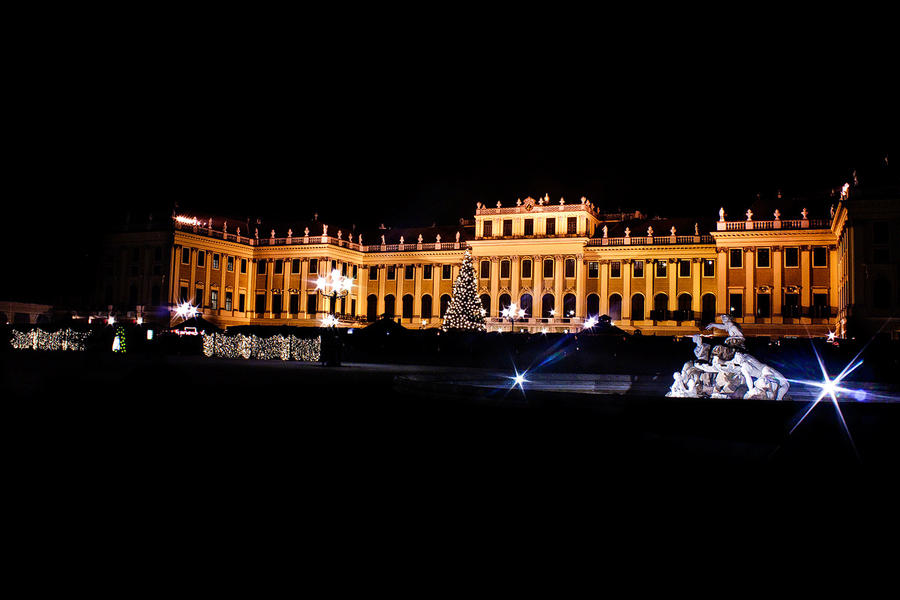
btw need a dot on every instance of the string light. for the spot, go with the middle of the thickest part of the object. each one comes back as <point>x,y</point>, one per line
<point>465,311</point>
<point>38,339</point>
<point>278,346</point>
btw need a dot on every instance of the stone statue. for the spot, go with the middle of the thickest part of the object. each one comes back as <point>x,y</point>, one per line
<point>350,237</point>
<point>306,231</point>
<point>478,205</point>
<point>225,226</point>
<point>239,232</point>
<point>324,229</point>
<point>804,213</point>
<point>438,238</point>
<point>382,239</point>
<point>420,238</point>
<point>360,239</point>
<point>562,201</point>
<point>650,231</point>
<point>272,234</point>
<point>777,214</point>
<point>627,232</point>
<point>583,200</point>
<point>518,202</point>
<point>290,232</point>
<point>749,215</point>
<point>672,231</point>
<point>696,229</point>
<point>701,351</point>
<point>722,214</point>
<point>340,233</point>
<point>735,335</point>
<point>498,204</point>
<point>401,239</point>
<point>832,211</point>
<point>256,232</point>
<point>751,368</point>
<point>457,237</point>
<point>605,230</point>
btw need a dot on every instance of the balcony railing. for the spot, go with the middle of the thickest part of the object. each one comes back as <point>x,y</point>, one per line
<point>652,241</point>
<point>777,224</point>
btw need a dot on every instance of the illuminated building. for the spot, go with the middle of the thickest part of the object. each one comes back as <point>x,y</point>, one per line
<point>780,269</point>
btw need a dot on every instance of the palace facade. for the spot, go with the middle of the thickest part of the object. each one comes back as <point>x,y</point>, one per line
<point>779,271</point>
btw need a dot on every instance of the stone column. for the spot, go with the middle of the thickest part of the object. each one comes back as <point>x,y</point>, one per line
<point>604,287</point>
<point>649,278</point>
<point>579,286</point>
<point>495,285</point>
<point>302,286</point>
<point>559,265</point>
<point>833,281</point>
<point>251,287</point>
<point>382,286</point>
<point>722,281</point>
<point>515,278</point>
<point>362,284</point>
<point>436,273</point>
<point>537,268</point>
<point>270,278</point>
<point>192,285</point>
<point>206,281</point>
<point>398,296</point>
<point>417,297</point>
<point>626,289</point>
<point>672,276</point>
<point>805,285</point>
<point>174,275</point>
<point>696,275</point>
<point>223,266</point>
<point>749,286</point>
<point>777,289</point>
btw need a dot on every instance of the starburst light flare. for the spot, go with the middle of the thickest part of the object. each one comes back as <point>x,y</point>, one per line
<point>186,310</point>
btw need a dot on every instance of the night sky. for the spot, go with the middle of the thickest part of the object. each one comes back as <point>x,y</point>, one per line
<point>407,134</point>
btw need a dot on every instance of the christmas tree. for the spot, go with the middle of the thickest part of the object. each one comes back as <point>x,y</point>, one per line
<point>465,310</point>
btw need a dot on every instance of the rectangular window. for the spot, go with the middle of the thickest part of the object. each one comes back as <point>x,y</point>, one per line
<point>763,258</point>
<point>409,272</point>
<point>488,228</point>
<point>214,299</point>
<point>276,304</point>
<point>526,269</point>
<point>637,268</point>
<point>593,270</point>
<point>764,305</point>
<point>529,226</point>
<point>881,232</point>
<point>551,226</point>
<point>485,270</point>
<point>343,269</point>
<point>261,267</point>
<point>279,267</point>
<point>391,273</point>
<point>819,257</point>
<point>426,272</point>
<point>260,303</point>
<point>241,302</point>
<point>333,265</point>
<point>311,304</point>
<point>791,257</point>
<point>201,258</point>
<point>736,305</point>
<point>373,273</point>
<point>185,256</point>
<point>183,294</point>
<point>507,227</point>
<point>548,267</point>
<point>572,225</point>
<point>295,266</point>
<point>157,253</point>
<point>295,304</point>
<point>615,269</point>
<point>820,306</point>
<point>230,263</point>
<point>198,297</point>
<point>446,272</point>
<point>791,306</point>
<point>709,267</point>
<point>314,266</point>
<point>243,265</point>
<point>661,266</point>
<point>228,302</point>
<point>353,306</point>
<point>215,261</point>
<point>504,269</point>
<point>684,268</point>
<point>355,275</point>
<point>736,258</point>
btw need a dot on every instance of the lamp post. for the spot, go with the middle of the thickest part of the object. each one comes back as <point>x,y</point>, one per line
<point>334,286</point>
<point>513,313</point>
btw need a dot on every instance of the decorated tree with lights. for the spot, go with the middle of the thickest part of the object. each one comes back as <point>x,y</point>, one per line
<point>465,311</point>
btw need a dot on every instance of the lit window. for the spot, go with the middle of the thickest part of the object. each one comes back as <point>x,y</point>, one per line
<point>615,269</point>
<point>593,270</point>
<point>736,258</point>
<point>637,268</point>
<point>819,257</point>
<point>684,268</point>
<point>763,258</point>
<point>661,266</point>
<point>709,267</point>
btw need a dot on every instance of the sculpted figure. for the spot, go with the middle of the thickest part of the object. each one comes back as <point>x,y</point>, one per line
<point>735,335</point>
<point>701,350</point>
<point>776,383</point>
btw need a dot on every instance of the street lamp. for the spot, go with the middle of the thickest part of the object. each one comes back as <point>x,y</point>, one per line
<point>513,313</point>
<point>334,286</point>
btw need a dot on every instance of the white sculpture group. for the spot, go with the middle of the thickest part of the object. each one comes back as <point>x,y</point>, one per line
<point>727,371</point>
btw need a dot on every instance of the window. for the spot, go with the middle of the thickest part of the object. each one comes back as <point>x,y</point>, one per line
<point>791,257</point>
<point>228,304</point>
<point>529,226</point>
<point>791,306</point>
<point>241,302</point>
<point>736,258</point>
<point>504,269</point>
<point>355,274</point>
<point>551,226</point>
<point>157,253</point>
<point>763,258</point>
<point>593,270</point>
<point>343,269</point>
<point>314,265</point>
<point>709,267</point>
<point>295,304</point>
<point>570,267</point>
<point>615,269</point>
<point>409,272</point>
<point>276,303</point>
<point>764,305</point>
<point>736,305</point>
<point>198,297</point>
<point>485,269</point>
<point>243,265</point>
<point>333,265</point>
<point>373,273</point>
<point>446,272</point>
<point>819,257</point>
<point>215,261</point>
<point>295,265</point>
<point>185,256</point>
<point>311,307</point>
<point>391,272</point>
<point>637,268</point>
<point>229,264</point>
<point>261,267</point>
<point>572,225</point>
<point>526,269</point>
<point>183,294</point>
<point>684,268</point>
<point>214,299</point>
<point>426,272</point>
<point>661,265</point>
<point>881,232</point>
<point>201,258</point>
<point>279,267</point>
<point>548,267</point>
<point>820,306</point>
<point>488,228</point>
<point>507,227</point>
<point>260,303</point>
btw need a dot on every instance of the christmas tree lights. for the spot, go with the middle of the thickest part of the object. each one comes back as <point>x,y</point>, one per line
<point>465,311</point>
<point>283,347</point>
<point>38,339</point>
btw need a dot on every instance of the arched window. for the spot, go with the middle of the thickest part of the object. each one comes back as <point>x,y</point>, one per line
<point>426,306</point>
<point>371,307</point>
<point>708,306</point>
<point>615,307</point>
<point>684,308</point>
<point>486,304</point>
<point>660,310</point>
<point>526,303</point>
<point>505,301</point>
<point>445,304</point>
<point>569,306</point>
<point>593,305</point>
<point>547,305</point>
<point>389,306</point>
<point>637,307</point>
<point>407,306</point>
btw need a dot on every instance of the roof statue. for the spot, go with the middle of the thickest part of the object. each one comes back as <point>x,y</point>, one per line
<point>672,231</point>
<point>562,200</point>
<point>650,231</point>
<point>256,232</point>
<point>804,213</point>
<point>324,229</point>
<point>306,231</point>
<point>350,237</point>
<point>401,240</point>
<point>498,204</point>
<point>696,229</point>
<point>225,227</point>
<point>777,214</point>
<point>290,232</point>
<point>272,235</point>
<point>360,239</point>
<point>518,202</point>
<point>583,200</point>
<point>340,233</point>
<point>722,214</point>
<point>605,230</point>
<point>420,238</point>
<point>382,239</point>
<point>627,231</point>
<point>749,215</point>
<point>457,237</point>
<point>438,238</point>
